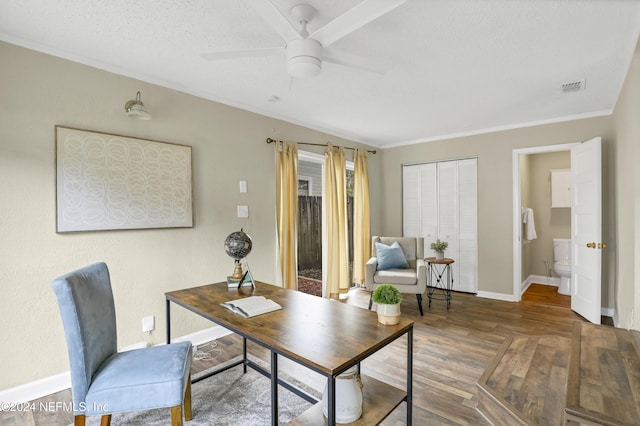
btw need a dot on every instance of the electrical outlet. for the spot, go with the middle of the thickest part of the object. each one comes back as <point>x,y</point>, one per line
<point>148,324</point>
<point>243,211</point>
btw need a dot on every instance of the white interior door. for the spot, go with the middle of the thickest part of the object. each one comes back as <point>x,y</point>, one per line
<point>586,229</point>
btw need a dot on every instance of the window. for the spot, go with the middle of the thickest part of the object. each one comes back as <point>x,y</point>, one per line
<point>305,184</point>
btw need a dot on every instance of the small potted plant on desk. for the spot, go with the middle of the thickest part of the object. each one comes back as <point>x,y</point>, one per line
<point>439,247</point>
<point>388,299</point>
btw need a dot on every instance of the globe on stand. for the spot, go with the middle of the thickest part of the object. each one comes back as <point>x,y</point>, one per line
<point>238,245</point>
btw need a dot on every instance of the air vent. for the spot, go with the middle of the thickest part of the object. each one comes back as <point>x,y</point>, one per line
<point>574,86</point>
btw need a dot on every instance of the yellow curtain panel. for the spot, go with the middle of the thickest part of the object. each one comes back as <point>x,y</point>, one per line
<point>287,212</point>
<point>361,216</point>
<point>335,223</point>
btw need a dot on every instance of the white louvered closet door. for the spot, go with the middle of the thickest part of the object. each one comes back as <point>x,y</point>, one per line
<point>467,260</point>
<point>420,202</point>
<point>448,211</point>
<point>440,201</point>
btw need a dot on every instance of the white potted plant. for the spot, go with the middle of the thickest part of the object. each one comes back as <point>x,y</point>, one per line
<point>388,299</point>
<point>439,247</point>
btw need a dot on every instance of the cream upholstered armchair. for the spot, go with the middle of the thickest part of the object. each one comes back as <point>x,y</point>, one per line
<point>398,261</point>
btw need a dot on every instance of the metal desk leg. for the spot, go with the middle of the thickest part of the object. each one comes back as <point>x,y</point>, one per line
<point>331,395</point>
<point>168,322</point>
<point>409,376</point>
<point>244,355</point>
<point>274,389</point>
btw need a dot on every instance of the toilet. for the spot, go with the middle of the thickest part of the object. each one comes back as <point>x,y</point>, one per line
<point>562,263</point>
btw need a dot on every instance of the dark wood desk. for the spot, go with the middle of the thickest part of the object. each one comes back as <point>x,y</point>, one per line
<point>324,335</point>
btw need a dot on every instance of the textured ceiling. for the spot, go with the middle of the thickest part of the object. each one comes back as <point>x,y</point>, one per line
<point>457,66</point>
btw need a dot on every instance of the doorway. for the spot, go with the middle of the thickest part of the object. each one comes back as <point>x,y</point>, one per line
<point>533,258</point>
<point>310,215</point>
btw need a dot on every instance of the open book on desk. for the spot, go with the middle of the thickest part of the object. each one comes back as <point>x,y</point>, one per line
<point>251,306</point>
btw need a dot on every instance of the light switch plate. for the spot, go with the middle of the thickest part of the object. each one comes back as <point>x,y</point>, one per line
<point>243,211</point>
<point>243,186</point>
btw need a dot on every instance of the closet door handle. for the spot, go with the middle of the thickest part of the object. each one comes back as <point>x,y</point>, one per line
<point>591,245</point>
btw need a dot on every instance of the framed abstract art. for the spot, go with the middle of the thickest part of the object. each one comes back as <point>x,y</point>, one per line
<point>107,182</point>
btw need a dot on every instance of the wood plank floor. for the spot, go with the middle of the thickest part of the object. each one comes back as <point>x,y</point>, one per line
<point>548,295</point>
<point>527,385</point>
<point>452,349</point>
<point>604,376</point>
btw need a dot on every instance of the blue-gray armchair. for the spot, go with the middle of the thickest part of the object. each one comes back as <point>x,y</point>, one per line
<point>103,380</point>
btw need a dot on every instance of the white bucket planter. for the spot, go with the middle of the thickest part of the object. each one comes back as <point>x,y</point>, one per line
<point>388,314</point>
<point>439,255</point>
<point>348,397</point>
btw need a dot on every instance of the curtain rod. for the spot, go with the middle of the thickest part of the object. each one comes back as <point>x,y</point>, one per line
<point>269,140</point>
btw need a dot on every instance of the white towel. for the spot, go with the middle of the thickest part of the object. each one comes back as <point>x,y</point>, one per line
<point>530,228</point>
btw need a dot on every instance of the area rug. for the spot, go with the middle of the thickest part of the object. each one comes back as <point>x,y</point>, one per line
<point>228,398</point>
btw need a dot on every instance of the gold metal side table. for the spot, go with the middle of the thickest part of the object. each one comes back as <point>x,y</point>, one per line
<point>440,271</point>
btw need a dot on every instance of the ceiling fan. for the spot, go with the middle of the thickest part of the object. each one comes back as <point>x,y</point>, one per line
<point>305,52</point>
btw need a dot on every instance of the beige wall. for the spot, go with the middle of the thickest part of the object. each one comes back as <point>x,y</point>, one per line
<point>626,121</point>
<point>495,188</point>
<point>550,222</point>
<point>39,91</point>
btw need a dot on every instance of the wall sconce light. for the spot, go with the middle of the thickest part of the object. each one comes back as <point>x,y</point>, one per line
<point>136,109</point>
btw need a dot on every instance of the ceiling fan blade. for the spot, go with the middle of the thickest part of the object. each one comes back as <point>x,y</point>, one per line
<point>375,65</point>
<point>353,19</point>
<point>232,54</point>
<point>272,15</point>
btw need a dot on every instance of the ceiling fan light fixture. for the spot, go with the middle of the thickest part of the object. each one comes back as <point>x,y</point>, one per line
<point>135,108</point>
<point>303,58</point>
<point>304,67</point>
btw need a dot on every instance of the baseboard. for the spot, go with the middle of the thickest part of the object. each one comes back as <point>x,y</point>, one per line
<point>497,296</point>
<point>539,279</point>
<point>58,382</point>
<point>138,345</point>
<point>37,389</point>
<point>204,336</point>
